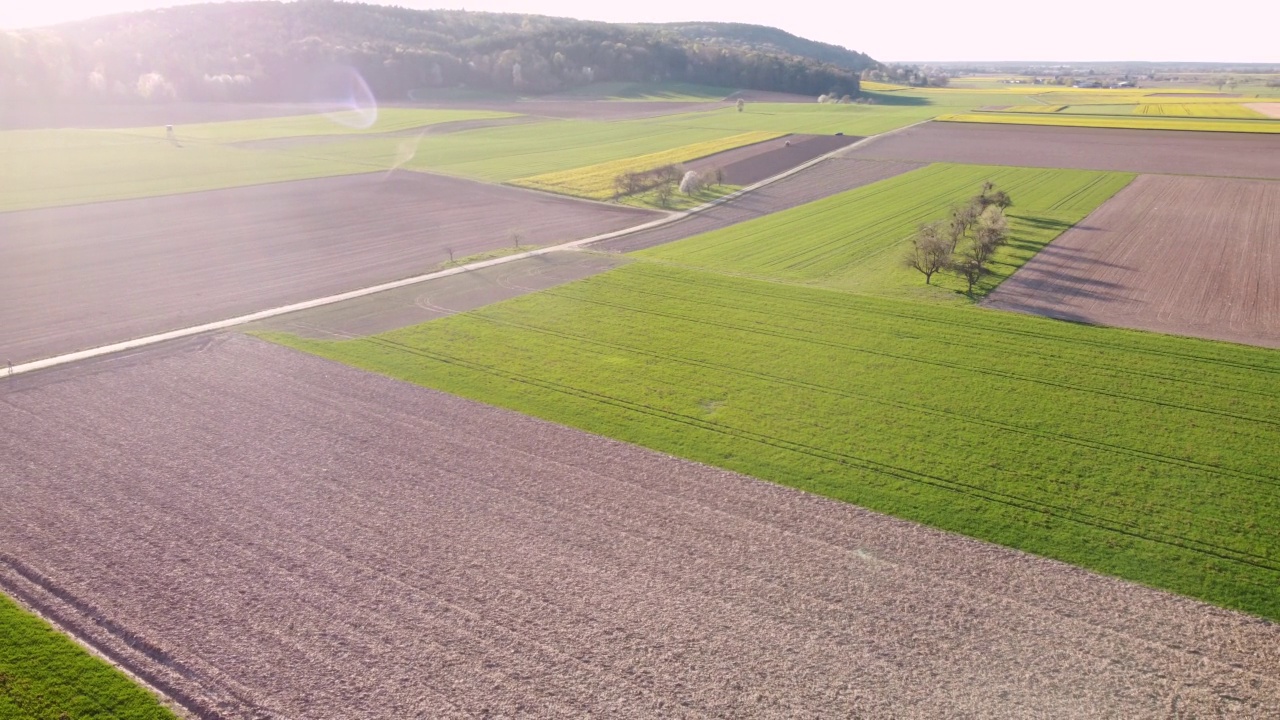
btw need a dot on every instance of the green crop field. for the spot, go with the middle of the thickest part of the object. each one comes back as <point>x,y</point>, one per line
<point>502,154</point>
<point>1149,457</point>
<point>45,168</point>
<point>856,240</point>
<point>46,676</point>
<point>815,119</point>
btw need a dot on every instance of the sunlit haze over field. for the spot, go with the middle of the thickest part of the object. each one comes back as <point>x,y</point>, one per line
<point>1087,30</point>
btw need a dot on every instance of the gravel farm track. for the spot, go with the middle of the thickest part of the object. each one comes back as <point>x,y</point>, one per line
<point>1175,152</point>
<point>1182,255</point>
<point>84,276</point>
<point>264,534</point>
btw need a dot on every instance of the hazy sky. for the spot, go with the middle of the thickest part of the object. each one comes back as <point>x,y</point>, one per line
<point>1081,30</point>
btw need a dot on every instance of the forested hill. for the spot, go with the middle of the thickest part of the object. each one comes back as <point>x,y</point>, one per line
<point>272,51</point>
<point>759,38</point>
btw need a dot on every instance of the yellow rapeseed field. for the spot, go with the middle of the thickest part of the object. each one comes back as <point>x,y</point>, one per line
<point>596,181</point>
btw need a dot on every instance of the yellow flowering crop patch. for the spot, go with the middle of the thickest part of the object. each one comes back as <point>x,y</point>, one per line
<point>597,181</point>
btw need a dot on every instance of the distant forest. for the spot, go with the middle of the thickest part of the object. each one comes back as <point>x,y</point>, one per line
<point>271,51</point>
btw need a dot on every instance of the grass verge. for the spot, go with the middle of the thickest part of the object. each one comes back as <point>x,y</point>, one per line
<point>46,676</point>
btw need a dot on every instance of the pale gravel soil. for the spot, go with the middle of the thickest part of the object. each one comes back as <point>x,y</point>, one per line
<point>282,536</point>
<point>1270,109</point>
<point>1184,255</point>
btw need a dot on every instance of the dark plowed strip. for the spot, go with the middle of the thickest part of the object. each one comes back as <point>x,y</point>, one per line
<point>80,277</point>
<point>1182,255</point>
<point>753,163</point>
<point>1177,152</point>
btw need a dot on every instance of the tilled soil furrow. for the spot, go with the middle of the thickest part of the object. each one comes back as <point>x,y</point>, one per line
<point>320,542</point>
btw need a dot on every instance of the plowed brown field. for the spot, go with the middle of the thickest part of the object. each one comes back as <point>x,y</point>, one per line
<point>1148,151</point>
<point>268,534</point>
<point>1189,256</point>
<point>79,277</point>
<point>753,163</point>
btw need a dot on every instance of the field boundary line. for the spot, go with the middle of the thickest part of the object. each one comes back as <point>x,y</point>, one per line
<point>141,342</point>
<point>104,350</point>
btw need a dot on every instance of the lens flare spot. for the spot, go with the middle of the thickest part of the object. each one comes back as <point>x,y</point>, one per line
<point>345,98</point>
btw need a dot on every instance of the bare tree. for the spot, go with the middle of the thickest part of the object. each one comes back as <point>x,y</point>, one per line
<point>719,176</point>
<point>961,220</point>
<point>970,268</point>
<point>930,251</point>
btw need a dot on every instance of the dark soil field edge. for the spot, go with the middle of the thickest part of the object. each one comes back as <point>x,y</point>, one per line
<point>412,553</point>
<point>1180,152</point>
<point>1190,256</point>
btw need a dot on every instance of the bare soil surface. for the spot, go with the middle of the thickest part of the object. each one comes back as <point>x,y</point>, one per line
<point>79,277</point>
<point>1180,255</point>
<point>831,176</point>
<point>753,163</point>
<point>267,534</point>
<point>437,298</point>
<point>1271,109</point>
<point>1177,152</point>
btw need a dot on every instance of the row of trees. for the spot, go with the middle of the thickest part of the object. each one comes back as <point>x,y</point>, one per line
<point>913,75</point>
<point>966,241</point>
<point>272,50</point>
<point>663,182</point>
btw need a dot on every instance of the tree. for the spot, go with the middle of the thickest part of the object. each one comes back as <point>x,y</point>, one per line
<point>691,183</point>
<point>930,252</point>
<point>969,268</point>
<point>741,104</point>
<point>663,193</point>
<point>962,218</point>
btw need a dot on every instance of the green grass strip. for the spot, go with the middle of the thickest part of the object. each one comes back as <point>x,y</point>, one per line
<point>856,240</point>
<point>46,676</point>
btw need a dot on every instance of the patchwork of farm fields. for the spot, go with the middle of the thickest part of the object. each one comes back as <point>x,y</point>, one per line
<point>1185,255</point>
<point>1022,431</point>
<point>503,558</point>
<point>80,277</point>
<point>268,534</point>
<point>1145,151</point>
<point>855,240</point>
<point>597,181</point>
